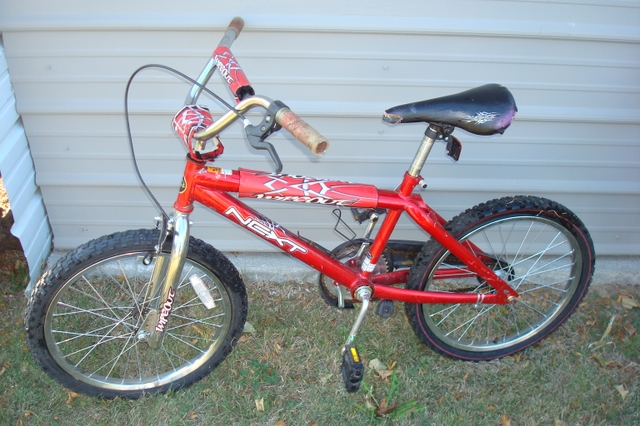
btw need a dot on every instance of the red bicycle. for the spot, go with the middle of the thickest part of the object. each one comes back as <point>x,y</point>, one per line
<point>145,311</point>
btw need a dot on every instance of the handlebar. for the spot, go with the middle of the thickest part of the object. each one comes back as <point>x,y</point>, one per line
<point>230,35</point>
<point>286,118</point>
<point>289,121</point>
<point>306,134</point>
<point>233,31</point>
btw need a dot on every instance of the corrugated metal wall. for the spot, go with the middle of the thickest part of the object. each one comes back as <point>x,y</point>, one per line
<point>30,217</point>
<point>573,67</point>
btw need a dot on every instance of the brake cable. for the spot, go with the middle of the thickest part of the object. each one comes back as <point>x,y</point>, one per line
<point>130,137</point>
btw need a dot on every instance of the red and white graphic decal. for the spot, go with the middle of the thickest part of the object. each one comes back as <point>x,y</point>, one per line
<point>190,120</point>
<point>304,189</point>
<point>266,229</point>
<point>230,70</point>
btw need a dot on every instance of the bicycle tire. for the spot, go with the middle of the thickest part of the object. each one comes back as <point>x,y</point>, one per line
<point>540,247</point>
<point>84,313</point>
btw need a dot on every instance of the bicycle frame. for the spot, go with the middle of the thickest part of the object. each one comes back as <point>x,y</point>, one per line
<point>210,186</point>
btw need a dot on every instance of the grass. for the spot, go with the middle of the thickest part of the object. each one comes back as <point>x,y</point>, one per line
<point>287,371</point>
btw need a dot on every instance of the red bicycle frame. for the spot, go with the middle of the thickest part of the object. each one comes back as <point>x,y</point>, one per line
<point>210,186</point>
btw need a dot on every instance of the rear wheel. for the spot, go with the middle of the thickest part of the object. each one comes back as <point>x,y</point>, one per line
<point>538,246</point>
<point>85,313</point>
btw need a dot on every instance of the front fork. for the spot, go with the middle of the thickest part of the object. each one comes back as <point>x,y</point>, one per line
<point>164,281</point>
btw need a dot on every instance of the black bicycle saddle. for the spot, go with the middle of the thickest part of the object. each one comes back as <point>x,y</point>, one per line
<point>484,110</point>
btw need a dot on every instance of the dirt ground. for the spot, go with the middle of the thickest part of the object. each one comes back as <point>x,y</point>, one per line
<point>12,259</point>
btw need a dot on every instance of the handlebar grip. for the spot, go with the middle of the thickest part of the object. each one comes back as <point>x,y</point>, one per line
<point>306,134</point>
<point>233,31</point>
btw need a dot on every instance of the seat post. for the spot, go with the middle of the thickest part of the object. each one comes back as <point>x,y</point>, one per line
<point>430,136</point>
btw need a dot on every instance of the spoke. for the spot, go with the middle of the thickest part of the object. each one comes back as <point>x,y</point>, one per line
<point>494,252</point>
<point>134,298</point>
<point>87,311</point>
<point>549,246</point>
<point>539,254</point>
<point>99,295</point>
<point>547,286</point>
<point>489,245</point>
<point>547,300</point>
<point>514,313</point>
<point>104,339</point>
<point>155,364</point>
<point>147,286</point>
<point>77,290</point>
<point>138,363</point>
<point>92,312</point>
<point>192,337</point>
<point>482,313</point>
<point>523,303</point>
<point>185,280</point>
<point>447,316</point>
<point>169,354</point>
<point>510,320</point>
<point>198,303</point>
<point>505,240</point>
<point>542,270</point>
<point>451,309</point>
<point>526,235</point>
<point>175,336</point>
<point>95,345</point>
<point>527,276</point>
<point>117,358</point>
<point>470,321</point>
<point>488,335</point>
<point>195,321</point>
<point>92,333</point>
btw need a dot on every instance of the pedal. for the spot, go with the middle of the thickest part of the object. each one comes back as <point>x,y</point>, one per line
<point>386,308</point>
<point>352,368</point>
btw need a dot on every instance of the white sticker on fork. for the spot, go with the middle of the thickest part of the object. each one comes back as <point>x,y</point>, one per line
<point>202,291</point>
<point>367,266</point>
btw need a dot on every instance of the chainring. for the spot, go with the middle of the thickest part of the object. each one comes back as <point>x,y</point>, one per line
<point>346,253</point>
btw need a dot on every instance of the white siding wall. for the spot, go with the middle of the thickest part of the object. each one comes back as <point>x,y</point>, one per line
<point>30,217</point>
<point>573,67</point>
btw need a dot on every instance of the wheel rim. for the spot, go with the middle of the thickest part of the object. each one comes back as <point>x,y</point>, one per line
<point>539,258</point>
<point>92,325</point>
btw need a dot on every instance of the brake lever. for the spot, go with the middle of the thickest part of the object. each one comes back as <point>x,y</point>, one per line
<point>258,142</point>
<point>268,126</point>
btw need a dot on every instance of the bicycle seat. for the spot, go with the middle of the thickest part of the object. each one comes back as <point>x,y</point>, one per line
<point>484,110</point>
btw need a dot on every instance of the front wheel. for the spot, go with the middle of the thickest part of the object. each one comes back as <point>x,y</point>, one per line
<point>84,316</point>
<point>538,246</point>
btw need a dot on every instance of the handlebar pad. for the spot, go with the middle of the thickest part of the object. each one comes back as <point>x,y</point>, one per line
<point>306,134</point>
